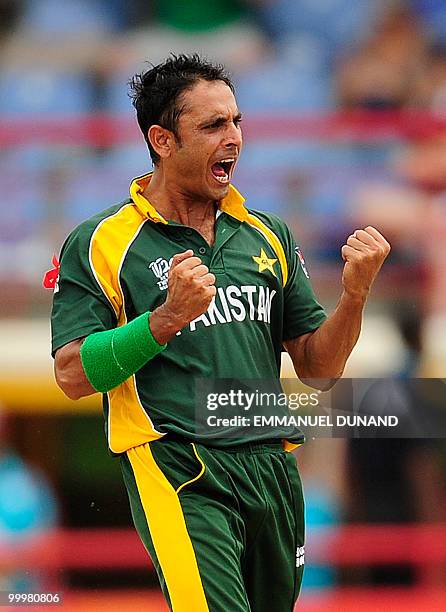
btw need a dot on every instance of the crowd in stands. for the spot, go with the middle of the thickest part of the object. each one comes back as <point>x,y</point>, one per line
<point>288,58</point>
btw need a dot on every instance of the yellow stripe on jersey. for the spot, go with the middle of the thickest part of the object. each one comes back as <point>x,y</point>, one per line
<point>290,446</point>
<point>128,423</point>
<point>105,261</point>
<point>171,540</point>
<point>199,475</point>
<point>274,242</point>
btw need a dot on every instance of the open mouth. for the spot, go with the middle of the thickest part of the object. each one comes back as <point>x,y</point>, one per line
<point>222,170</point>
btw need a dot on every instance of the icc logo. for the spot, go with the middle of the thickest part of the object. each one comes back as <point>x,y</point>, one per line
<point>160,268</point>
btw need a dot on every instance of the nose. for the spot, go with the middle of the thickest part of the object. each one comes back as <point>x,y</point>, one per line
<point>233,137</point>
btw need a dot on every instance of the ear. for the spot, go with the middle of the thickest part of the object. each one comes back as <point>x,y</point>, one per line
<point>162,140</point>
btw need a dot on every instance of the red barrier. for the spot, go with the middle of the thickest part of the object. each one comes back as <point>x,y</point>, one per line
<point>377,544</point>
<point>108,129</point>
<point>77,549</point>
<point>349,545</point>
<point>332,600</point>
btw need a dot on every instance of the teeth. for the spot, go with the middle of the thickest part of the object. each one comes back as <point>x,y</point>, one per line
<point>229,160</point>
<point>222,179</point>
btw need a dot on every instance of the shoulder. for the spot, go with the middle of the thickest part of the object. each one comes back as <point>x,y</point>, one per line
<point>273,223</point>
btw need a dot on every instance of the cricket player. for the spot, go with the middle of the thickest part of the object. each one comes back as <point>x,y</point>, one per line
<point>181,281</point>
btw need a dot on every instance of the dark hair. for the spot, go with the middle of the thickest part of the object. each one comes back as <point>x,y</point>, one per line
<point>156,93</point>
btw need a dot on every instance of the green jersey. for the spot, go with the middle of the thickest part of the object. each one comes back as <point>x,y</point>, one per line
<point>114,267</point>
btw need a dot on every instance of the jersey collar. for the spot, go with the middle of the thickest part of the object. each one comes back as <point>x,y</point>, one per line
<point>232,204</point>
<point>137,187</point>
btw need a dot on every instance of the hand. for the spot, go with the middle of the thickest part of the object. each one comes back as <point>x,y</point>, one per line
<point>191,288</point>
<point>364,254</point>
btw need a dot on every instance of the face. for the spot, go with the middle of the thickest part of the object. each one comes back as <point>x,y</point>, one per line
<point>202,162</point>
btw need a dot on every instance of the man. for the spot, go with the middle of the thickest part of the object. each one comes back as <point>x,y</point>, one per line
<point>183,281</point>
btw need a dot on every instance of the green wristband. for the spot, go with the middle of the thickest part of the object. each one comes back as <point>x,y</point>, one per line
<point>111,357</point>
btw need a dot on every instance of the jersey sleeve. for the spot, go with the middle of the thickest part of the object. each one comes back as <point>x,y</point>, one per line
<point>302,312</point>
<point>79,305</point>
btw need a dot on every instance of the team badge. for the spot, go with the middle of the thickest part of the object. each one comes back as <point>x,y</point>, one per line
<point>160,268</point>
<point>264,262</point>
<point>302,261</point>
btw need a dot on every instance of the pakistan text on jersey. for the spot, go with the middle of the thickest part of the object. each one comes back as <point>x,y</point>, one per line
<point>236,304</point>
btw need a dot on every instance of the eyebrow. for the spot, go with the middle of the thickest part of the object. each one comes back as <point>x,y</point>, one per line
<point>218,119</point>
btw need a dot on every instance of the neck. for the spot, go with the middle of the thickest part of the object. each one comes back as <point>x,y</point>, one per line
<point>175,204</point>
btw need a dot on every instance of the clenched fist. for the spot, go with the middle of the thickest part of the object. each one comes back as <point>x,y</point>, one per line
<point>364,254</point>
<point>191,288</point>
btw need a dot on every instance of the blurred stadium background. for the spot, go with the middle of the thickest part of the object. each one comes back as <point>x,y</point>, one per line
<point>345,125</point>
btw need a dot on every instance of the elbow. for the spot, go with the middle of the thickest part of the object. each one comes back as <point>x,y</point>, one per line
<point>329,383</point>
<point>69,374</point>
<point>71,386</point>
<point>73,393</point>
<point>320,383</point>
<point>71,390</point>
<point>314,369</point>
<point>321,379</point>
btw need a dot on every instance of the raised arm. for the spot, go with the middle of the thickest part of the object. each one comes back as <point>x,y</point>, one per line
<point>323,353</point>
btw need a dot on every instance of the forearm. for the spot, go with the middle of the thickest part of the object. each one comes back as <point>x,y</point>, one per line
<point>69,373</point>
<point>110,357</point>
<point>328,349</point>
<point>324,353</point>
<point>105,359</point>
<point>165,324</point>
